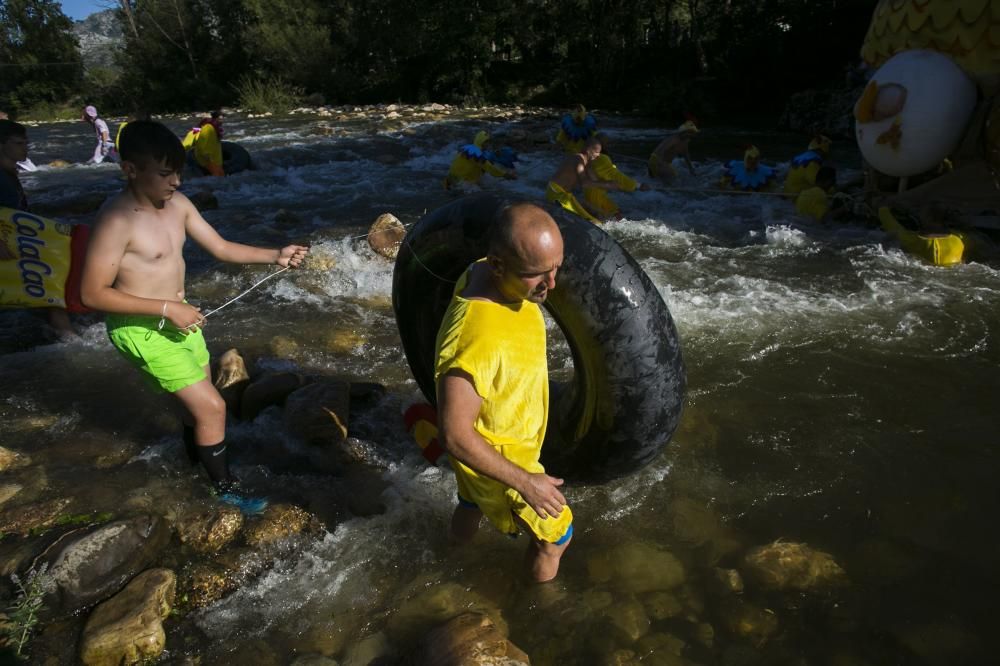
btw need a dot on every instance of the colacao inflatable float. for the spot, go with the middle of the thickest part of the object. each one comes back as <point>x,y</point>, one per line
<point>933,61</point>
<point>41,261</point>
<point>624,401</point>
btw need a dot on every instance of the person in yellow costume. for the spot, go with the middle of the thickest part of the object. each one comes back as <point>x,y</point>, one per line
<point>677,144</point>
<point>813,201</point>
<point>205,144</point>
<point>572,172</point>
<point>803,168</point>
<point>604,169</point>
<point>748,175</point>
<point>575,128</point>
<point>493,389</point>
<point>472,161</point>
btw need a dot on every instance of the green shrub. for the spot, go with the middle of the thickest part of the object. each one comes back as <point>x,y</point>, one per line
<point>271,93</point>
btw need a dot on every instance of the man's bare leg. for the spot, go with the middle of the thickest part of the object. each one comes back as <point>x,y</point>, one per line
<point>465,523</point>
<point>542,559</point>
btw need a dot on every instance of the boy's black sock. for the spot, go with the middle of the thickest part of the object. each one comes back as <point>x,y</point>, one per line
<point>216,463</point>
<point>190,446</point>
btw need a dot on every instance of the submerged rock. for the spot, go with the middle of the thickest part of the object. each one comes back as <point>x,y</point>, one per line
<point>318,413</point>
<point>793,566</point>
<point>231,378</point>
<point>636,567</point>
<point>205,583</point>
<point>436,604</point>
<point>471,639</point>
<point>97,563</point>
<point>204,200</point>
<point>748,622</point>
<point>23,519</point>
<point>10,459</point>
<point>271,388</point>
<point>627,621</point>
<point>7,491</point>
<point>128,628</point>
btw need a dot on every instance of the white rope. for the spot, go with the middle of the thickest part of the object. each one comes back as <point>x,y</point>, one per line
<point>233,300</point>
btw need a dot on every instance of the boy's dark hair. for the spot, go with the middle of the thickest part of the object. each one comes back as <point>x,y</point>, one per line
<point>9,128</point>
<point>826,174</point>
<point>148,139</point>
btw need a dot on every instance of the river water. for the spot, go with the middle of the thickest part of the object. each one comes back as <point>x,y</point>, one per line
<point>841,394</point>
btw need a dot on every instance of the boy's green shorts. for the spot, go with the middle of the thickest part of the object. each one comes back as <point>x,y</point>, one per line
<point>168,359</point>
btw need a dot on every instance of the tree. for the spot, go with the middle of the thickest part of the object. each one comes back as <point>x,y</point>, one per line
<point>40,60</point>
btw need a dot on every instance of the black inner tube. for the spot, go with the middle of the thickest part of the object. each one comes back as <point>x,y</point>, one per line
<point>624,401</point>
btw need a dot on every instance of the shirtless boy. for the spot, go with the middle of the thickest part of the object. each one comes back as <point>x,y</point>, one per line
<point>678,144</point>
<point>573,173</point>
<point>135,273</point>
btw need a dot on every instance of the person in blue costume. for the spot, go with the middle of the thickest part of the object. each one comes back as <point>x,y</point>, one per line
<point>505,157</point>
<point>575,128</point>
<point>749,175</point>
<point>803,168</point>
<point>472,160</point>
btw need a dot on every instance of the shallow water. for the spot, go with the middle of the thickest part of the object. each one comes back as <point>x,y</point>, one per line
<point>840,393</point>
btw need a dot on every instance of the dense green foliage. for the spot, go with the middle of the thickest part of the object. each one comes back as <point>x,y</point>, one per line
<point>664,57</point>
<point>40,65</point>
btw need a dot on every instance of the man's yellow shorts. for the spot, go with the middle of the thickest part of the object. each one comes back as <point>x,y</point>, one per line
<point>168,359</point>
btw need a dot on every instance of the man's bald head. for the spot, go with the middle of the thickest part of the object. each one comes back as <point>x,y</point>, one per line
<point>526,250</point>
<point>519,228</point>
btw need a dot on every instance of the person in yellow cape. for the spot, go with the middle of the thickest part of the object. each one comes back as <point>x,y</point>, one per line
<point>677,144</point>
<point>205,144</point>
<point>493,389</point>
<point>748,175</point>
<point>575,128</point>
<point>803,168</point>
<point>473,160</point>
<point>572,173</point>
<point>603,168</point>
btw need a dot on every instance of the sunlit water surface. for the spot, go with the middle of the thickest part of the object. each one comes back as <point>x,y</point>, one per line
<point>840,393</point>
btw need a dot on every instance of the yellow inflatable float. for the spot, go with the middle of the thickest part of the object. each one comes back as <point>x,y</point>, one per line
<point>938,249</point>
<point>41,261</point>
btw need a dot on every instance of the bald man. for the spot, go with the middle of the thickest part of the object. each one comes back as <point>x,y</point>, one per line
<point>493,389</point>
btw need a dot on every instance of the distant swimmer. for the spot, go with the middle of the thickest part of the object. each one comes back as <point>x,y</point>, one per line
<point>804,166</point>
<point>575,128</point>
<point>473,160</point>
<point>135,273</point>
<point>604,169</point>
<point>204,144</point>
<point>677,144</point>
<point>749,174</point>
<point>14,151</point>
<point>105,148</point>
<point>571,174</point>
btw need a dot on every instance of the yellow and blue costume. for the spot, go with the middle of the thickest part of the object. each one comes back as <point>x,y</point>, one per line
<point>749,174</point>
<point>805,166</point>
<point>501,346</point>
<point>604,169</point>
<point>813,202</point>
<point>470,162</point>
<point>574,130</point>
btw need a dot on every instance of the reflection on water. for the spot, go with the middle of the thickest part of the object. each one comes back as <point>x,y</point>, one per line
<point>841,394</point>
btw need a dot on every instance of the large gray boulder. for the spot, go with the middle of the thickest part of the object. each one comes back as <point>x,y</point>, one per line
<point>92,565</point>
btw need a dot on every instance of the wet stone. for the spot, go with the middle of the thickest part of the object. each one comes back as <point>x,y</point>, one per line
<point>271,388</point>
<point>231,378</point>
<point>204,200</point>
<point>470,639</point>
<point>128,628</point>
<point>10,460</point>
<point>437,604</point>
<point>657,644</point>
<point>662,605</point>
<point>747,621</point>
<point>636,567</point>
<point>209,531</point>
<point>283,346</point>
<point>627,620</point>
<point>370,649</point>
<point>724,582</point>
<point>793,566</point>
<point>97,563</point>
<point>24,519</point>
<point>205,583</point>
<point>318,413</point>
<point>279,521</point>
<point>386,234</point>
<point>8,491</point>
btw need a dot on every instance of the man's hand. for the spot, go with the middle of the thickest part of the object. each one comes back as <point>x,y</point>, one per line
<point>542,494</point>
<point>291,256</point>
<point>185,318</point>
